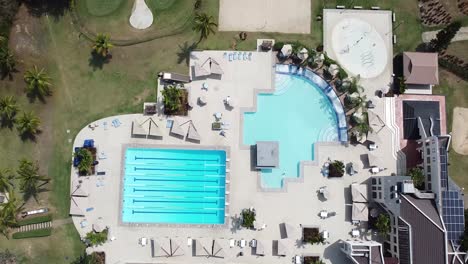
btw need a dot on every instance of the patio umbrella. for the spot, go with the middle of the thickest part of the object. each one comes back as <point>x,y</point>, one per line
<point>374,161</point>
<point>375,122</point>
<point>289,230</point>
<point>303,54</point>
<point>200,250</point>
<point>193,133</point>
<point>200,71</point>
<point>176,250</point>
<point>77,205</point>
<point>215,67</point>
<point>282,248</point>
<point>154,128</point>
<point>99,225</point>
<point>202,99</point>
<point>333,69</point>
<point>80,188</point>
<point>359,192</point>
<point>140,126</point>
<point>177,129</point>
<point>360,212</point>
<point>286,50</point>
<point>157,250</point>
<point>217,250</point>
<point>260,249</point>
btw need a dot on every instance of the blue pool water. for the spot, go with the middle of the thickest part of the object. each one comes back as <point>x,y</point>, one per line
<point>174,186</point>
<point>297,115</point>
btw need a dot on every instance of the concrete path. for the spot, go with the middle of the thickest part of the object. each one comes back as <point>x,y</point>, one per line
<point>462,34</point>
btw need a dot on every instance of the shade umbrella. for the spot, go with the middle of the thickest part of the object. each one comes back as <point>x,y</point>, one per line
<point>193,133</point>
<point>200,249</point>
<point>359,192</point>
<point>154,129</point>
<point>374,161</point>
<point>200,71</point>
<point>157,250</point>
<point>303,54</point>
<point>286,50</point>
<point>217,250</point>
<point>140,126</point>
<point>98,225</point>
<point>176,250</point>
<point>333,69</point>
<point>360,212</point>
<point>289,230</point>
<point>77,205</point>
<point>282,248</point>
<point>215,67</point>
<point>177,129</point>
<point>375,122</point>
<point>80,188</point>
<point>260,249</point>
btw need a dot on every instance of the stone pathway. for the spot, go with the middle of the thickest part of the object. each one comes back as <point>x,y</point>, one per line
<point>462,34</point>
<point>31,227</point>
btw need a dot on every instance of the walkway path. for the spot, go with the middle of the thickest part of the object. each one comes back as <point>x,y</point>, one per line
<point>462,34</point>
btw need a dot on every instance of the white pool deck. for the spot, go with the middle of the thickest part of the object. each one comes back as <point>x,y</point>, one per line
<point>297,205</point>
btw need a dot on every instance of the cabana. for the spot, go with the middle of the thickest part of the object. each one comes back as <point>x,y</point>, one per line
<point>375,122</point>
<point>154,130</point>
<point>288,231</point>
<point>260,248</point>
<point>209,67</point>
<point>374,161</point>
<point>267,154</point>
<point>140,127</point>
<point>359,193</point>
<point>217,250</point>
<point>360,212</point>
<point>200,249</point>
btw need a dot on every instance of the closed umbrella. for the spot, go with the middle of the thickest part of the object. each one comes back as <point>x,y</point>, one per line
<point>286,50</point>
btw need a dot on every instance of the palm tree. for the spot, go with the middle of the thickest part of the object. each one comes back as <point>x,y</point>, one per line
<point>28,125</point>
<point>205,25</point>
<point>29,177</point>
<point>86,161</point>
<point>6,175</point>
<point>7,62</point>
<point>8,110</point>
<point>8,213</point>
<point>102,45</point>
<point>38,83</point>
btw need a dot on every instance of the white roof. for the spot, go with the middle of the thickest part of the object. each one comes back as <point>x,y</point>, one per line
<point>359,192</point>
<point>360,212</point>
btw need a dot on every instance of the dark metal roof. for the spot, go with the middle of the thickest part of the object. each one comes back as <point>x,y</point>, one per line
<point>426,110</point>
<point>427,240</point>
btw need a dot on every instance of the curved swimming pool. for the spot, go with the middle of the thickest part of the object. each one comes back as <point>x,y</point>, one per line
<point>297,115</point>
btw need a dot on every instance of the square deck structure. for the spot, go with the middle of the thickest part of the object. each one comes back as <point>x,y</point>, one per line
<point>267,154</point>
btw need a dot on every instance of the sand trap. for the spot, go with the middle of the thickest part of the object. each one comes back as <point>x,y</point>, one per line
<point>141,17</point>
<point>460,130</point>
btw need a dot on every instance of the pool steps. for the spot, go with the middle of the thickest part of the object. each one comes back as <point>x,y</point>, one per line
<point>326,88</point>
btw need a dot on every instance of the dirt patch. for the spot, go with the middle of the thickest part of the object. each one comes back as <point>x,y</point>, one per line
<point>25,34</point>
<point>460,130</point>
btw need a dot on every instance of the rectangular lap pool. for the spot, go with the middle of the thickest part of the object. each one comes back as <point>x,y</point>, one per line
<point>174,186</point>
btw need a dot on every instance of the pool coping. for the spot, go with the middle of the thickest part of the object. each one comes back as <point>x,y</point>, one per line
<point>227,149</point>
<point>317,145</point>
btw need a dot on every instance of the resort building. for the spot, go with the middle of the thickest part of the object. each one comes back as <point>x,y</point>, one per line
<point>421,71</point>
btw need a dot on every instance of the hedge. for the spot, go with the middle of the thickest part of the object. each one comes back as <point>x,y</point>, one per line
<point>35,220</point>
<point>33,233</point>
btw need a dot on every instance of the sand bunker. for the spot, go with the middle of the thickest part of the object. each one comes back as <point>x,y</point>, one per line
<point>460,130</point>
<point>141,17</point>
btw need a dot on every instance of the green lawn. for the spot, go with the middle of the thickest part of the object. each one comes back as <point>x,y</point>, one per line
<point>456,94</point>
<point>102,7</point>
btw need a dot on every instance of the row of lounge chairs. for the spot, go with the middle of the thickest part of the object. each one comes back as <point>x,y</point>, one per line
<point>241,56</point>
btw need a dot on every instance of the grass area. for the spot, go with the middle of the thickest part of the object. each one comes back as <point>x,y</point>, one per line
<point>102,7</point>
<point>35,220</point>
<point>33,233</point>
<point>169,15</point>
<point>456,94</point>
<point>459,49</point>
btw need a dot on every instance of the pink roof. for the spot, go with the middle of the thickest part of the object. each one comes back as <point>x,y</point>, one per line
<point>421,68</point>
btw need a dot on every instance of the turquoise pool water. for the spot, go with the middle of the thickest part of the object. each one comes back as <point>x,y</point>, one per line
<point>297,115</point>
<point>174,186</point>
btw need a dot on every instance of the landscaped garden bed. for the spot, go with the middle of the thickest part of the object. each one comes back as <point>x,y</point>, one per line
<point>35,220</point>
<point>33,233</point>
<point>312,235</point>
<point>175,101</point>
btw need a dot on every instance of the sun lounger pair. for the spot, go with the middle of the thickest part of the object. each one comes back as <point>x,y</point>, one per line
<point>116,122</point>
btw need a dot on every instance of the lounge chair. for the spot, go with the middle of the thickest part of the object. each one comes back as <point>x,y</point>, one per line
<point>250,56</point>
<point>102,155</point>
<point>234,56</point>
<point>116,122</point>
<point>205,86</point>
<point>245,56</point>
<point>104,124</point>
<point>225,126</point>
<point>218,116</point>
<point>225,55</point>
<point>230,56</point>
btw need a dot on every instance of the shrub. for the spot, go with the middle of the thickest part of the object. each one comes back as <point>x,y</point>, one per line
<point>95,239</point>
<point>35,220</point>
<point>313,236</point>
<point>248,218</point>
<point>417,175</point>
<point>33,233</point>
<point>93,258</point>
<point>383,224</point>
<point>336,169</point>
<point>278,45</point>
<point>454,65</point>
<point>171,99</point>
<point>86,161</point>
<point>198,4</point>
<point>443,37</point>
<point>342,73</point>
<point>328,61</point>
<point>402,85</point>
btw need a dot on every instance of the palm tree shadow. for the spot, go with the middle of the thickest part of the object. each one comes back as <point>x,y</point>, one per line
<point>29,136</point>
<point>184,52</point>
<point>4,75</point>
<point>54,8</point>
<point>32,97</point>
<point>97,61</point>
<point>7,123</point>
